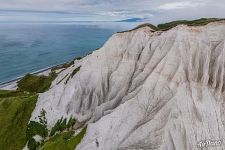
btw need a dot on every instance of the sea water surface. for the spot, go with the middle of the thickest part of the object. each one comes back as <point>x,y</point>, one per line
<point>29,47</point>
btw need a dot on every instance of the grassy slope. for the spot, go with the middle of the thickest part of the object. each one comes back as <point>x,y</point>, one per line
<point>16,108</point>
<point>34,83</point>
<point>65,141</point>
<point>198,22</point>
<point>15,112</point>
<point>169,25</point>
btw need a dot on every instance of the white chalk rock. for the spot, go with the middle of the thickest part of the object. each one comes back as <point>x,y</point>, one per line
<point>146,90</point>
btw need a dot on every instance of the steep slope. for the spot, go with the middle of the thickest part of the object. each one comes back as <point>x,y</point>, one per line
<point>145,90</point>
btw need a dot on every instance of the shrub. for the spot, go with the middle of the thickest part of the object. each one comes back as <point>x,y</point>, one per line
<point>71,122</point>
<point>57,127</point>
<point>36,128</point>
<point>42,117</point>
<point>32,144</point>
<point>62,124</point>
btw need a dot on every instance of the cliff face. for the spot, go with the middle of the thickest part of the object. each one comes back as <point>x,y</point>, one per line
<point>146,90</point>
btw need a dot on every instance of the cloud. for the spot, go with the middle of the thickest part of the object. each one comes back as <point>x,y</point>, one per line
<point>107,10</point>
<point>112,13</point>
<point>179,5</point>
<point>126,14</point>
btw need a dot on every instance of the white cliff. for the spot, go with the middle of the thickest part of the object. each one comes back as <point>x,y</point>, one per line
<point>146,90</point>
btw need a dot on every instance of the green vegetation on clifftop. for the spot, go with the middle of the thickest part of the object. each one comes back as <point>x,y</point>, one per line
<point>65,65</point>
<point>198,22</point>
<point>35,83</point>
<point>169,25</point>
<point>141,26</point>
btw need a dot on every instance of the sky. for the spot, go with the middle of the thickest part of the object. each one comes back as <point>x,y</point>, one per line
<point>154,11</point>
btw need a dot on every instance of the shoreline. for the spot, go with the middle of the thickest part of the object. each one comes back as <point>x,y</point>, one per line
<point>18,78</point>
<point>12,84</point>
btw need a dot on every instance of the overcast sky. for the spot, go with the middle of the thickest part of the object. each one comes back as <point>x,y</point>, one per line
<point>155,11</point>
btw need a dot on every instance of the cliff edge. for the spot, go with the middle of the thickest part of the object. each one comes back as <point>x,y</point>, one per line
<point>145,89</point>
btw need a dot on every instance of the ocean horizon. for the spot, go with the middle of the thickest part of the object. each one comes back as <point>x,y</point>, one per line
<point>31,47</point>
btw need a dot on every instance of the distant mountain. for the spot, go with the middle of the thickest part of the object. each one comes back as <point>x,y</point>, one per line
<point>132,20</point>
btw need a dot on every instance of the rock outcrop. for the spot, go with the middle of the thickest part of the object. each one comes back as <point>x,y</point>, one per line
<point>146,89</point>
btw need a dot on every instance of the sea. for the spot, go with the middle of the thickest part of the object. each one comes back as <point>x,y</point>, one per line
<point>31,47</point>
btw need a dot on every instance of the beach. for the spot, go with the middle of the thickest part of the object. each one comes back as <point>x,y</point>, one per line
<point>12,85</point>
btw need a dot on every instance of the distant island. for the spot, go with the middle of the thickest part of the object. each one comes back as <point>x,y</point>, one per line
<point>133,20</point>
